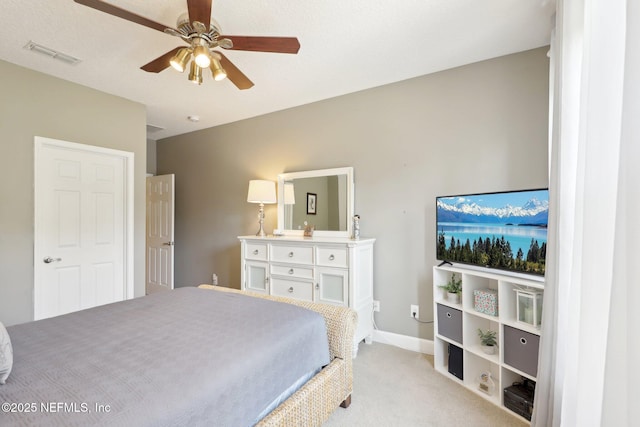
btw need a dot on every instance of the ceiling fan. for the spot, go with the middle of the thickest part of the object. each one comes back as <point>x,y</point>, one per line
<point>202,34</point>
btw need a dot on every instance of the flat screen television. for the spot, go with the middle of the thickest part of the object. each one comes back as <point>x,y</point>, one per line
<point>504,230</point>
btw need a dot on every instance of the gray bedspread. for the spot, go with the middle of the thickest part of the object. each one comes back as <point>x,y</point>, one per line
<point>187,357</point>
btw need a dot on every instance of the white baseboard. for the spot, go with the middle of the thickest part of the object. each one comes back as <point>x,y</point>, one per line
<point>419,345</point>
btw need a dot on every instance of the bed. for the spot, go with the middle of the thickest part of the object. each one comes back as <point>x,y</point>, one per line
<point>191,356</point>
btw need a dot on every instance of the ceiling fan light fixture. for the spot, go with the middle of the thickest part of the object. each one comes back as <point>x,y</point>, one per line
<point>180,59</point>
<point>218,72</point>
<point>201,56</point>
<point>195,74</point>
<point>202,34</point>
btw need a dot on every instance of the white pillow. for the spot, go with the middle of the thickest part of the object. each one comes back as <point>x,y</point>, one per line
<point>6,354</point>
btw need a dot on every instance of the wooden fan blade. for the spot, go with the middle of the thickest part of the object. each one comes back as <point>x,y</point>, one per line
<point>121,13</point>
<point>265,44</point>
<point>200,10</point>
<point>160,63</point>
<point>236,76</point>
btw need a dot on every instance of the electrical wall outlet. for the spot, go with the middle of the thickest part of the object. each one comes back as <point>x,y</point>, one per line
<point>376,305</point>
<point>415,311</point>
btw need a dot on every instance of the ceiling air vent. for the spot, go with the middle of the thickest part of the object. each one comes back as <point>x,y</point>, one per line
<point>35,47</point>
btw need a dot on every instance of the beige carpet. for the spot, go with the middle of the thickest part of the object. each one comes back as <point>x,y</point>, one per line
<point>396,387</point>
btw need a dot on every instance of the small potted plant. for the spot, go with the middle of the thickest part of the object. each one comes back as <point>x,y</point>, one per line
<point>453,289</point>
<point>488,341</point>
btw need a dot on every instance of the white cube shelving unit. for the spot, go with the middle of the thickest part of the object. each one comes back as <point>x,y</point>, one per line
<point>517,353</point>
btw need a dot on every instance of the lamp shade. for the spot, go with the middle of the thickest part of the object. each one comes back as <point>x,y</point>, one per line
<point>218,72</point>
<point>289,194</point>
<point>201,56</point>
<point>179,60</point>
<point>261,191</point>
<point>195,74</point>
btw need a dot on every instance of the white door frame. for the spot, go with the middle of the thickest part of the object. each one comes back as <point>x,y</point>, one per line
<point>128,159</point>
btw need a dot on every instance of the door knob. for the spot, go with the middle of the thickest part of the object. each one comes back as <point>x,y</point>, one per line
<point>168,243</point>
<point>49,260</point>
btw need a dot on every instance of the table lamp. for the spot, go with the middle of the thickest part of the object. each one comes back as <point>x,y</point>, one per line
<point>261,191</point>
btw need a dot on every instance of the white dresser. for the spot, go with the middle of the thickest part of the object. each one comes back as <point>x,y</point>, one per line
<point>331,270</point>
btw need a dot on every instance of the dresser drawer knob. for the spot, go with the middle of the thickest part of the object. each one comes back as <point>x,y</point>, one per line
<point>290,254</point>
<point>448,315</point>
<point>331,257</point>
<point>255,252</point>
<point>317,285</point>
<point>290,290</point>
<point>523,341</point>
<point>291,271</point>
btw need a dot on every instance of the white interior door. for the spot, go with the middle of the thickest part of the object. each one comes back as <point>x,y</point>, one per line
<point>160,224</point>
<point>83,230</point>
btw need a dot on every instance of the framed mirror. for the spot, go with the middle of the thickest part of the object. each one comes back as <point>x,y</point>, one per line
<point>322,198</point>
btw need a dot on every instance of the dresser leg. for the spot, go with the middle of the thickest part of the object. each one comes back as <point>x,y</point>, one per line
<point>355,350</point>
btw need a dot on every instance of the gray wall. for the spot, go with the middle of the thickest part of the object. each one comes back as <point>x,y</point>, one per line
<point>151,156</point>
<point>34,104</point>
<point>477,128</point>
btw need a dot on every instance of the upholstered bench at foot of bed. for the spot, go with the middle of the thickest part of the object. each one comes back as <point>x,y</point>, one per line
<point>314,402</point>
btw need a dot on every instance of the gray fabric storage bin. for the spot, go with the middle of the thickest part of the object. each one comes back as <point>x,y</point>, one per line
<point>521,350</point>
<point>450,323</point>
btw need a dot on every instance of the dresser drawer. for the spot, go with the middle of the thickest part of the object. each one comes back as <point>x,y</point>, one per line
<point>292,289</point>
<point>256,251</point>
<point>292,254</point>
<point>332,257</point>
<point>292,271</point>
<point>450,323</point>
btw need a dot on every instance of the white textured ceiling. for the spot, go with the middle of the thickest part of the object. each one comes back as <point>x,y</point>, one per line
<point>346,46</point>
